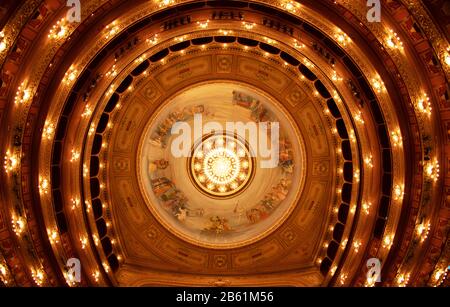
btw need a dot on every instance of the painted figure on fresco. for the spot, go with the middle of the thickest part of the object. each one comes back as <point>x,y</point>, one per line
<point>244,100</point>
<point>163,131</point>
<point>218,225</point>
<point>171,198</point>
<point>269,202</point>
<point>155,165</point>
<point>258,112</point>
<point>286,160</point>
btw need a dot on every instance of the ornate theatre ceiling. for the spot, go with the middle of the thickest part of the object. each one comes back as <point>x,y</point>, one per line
<point>90,111</point>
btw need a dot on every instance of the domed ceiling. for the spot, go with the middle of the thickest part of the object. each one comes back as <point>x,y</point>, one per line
<point>224,143</point>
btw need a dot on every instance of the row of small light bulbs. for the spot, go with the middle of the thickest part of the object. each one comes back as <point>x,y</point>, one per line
<point>5,274</point>
<point>23,94</point>
<point>396,136</point>
<point>290,6</point>
<point>368,161</point>
<point>396,140</point>
<point>431,168</point>
<point>59,31</point>
<point>423,104</point>
<point>203,25</point>
<point>71,76</point>
<point>110,31</point>
<point>19,223</point>
<point>358,118</point>
<point>75,201</point>
<point>12,161</point>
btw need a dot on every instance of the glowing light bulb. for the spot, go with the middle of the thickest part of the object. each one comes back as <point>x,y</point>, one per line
<point>44,186</point>
<point>3,45</point>
<point>23,94</point>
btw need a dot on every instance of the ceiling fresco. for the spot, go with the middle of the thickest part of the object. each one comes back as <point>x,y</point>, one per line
<point>224,143</point>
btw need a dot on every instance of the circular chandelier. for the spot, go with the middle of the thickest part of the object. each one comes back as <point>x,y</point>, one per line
<point>221,165</point>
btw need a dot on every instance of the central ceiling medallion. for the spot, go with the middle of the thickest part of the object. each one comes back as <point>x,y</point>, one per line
<point>220,193</point>
<point>221,165</point>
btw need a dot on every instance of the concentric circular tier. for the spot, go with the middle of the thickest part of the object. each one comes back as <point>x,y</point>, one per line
<point>199,195</point>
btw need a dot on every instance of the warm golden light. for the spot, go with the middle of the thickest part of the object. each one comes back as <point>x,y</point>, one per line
<point>396,138</point>
<point>356,246</point>
<point>44,186</point>
<point>370,281</point>
<point>87,111</point>
<point>52,236</point>
<point>393,40</point>
<point>290,6</point>
<point>203,24</point>
<point>3,274</point>
<point>398,192</point>
<point>96,239</point>
<point>431,169</point>
<point>48,132</point>
<point>366,207</point>
<point>225,32</point>
<point>387,241</point>
<point>422,231</point>
<point>75,203</point>
<point>439,275</point>
<point>164,3</point>
<point>111,29</point>
<point>357,175</point>
<point>358,118</point>
<point>141,59</point>
<point>180,38</point>
<point>342,279</point>
<point>38,276</point>
<point>70,279</point>
<point>368,160</point>
<point>110,90</point>
<point>298,45</point>
<point>335,77</point>
<point>18,225</point>
<point>378,85</point>
<point>3,45</point>
<point>342,38</point>
<point>85,170</point>
<point>83,241</point>
<point>112,72</point>
<point>403,280</point>
<point>424,105</point>
<point>11,162</point>
<point>70,75</point>
<point>221,169</point>
<point>96,275</point>
<point>248,25</point>
<point>75,156</point>
<point>447,57</point>
<point>308,63</point>
<point>333,270</point>
<point>352,137</point>
<point>59,30</point>
<point>23,94</point>
<point>269,41</point>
